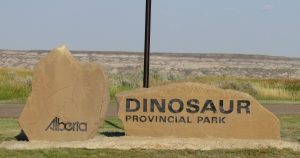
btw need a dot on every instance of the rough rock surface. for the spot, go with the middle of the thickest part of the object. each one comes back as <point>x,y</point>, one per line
<point>194,110</point>
<point>68,100</point>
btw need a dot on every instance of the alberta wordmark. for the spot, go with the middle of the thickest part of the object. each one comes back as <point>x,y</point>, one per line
<point>57,125</point>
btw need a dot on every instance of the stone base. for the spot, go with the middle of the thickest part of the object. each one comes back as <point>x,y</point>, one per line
<point>129,142</point>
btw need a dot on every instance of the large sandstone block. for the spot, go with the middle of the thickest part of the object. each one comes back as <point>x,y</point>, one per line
<point>68,100</point>
<point>195,110</point>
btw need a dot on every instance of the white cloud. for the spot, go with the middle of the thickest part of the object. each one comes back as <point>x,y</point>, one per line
<point>268,7</point>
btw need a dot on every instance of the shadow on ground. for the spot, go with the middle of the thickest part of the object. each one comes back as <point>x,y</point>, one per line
<point>21,136</point>
<point>113,134</point>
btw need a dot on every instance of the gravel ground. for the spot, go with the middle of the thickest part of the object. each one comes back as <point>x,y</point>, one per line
<point>129,142</point>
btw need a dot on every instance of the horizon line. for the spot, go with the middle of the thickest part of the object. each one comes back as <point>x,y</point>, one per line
<point>155,52</point>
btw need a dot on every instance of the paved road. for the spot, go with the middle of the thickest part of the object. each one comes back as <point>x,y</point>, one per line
<point>281,109</point>
<point>10,110</point>
<point>14,110</point>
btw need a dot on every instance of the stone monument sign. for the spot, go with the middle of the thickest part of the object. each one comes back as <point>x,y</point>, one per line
<point>68,100</point>
<point>195,110</point>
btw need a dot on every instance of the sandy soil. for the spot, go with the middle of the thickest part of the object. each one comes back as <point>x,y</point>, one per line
<point>129,142</point>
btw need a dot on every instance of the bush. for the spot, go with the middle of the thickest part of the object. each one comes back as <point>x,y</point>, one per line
<point>239,86</point>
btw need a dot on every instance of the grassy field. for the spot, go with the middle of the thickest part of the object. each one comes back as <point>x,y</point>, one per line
<point>290,130</point>
<point>15,85</point>
<point>107,153</point>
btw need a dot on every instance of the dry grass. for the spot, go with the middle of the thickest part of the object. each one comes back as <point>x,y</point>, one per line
<point>15,84</point>
<point>278,89</point>
<point>261,89</point>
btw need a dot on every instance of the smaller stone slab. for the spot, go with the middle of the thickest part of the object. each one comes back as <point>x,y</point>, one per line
<point>68,100</point>
<point>195,110</point>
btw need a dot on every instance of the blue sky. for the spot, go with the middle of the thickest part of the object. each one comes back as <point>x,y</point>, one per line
<point>270,27</point>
